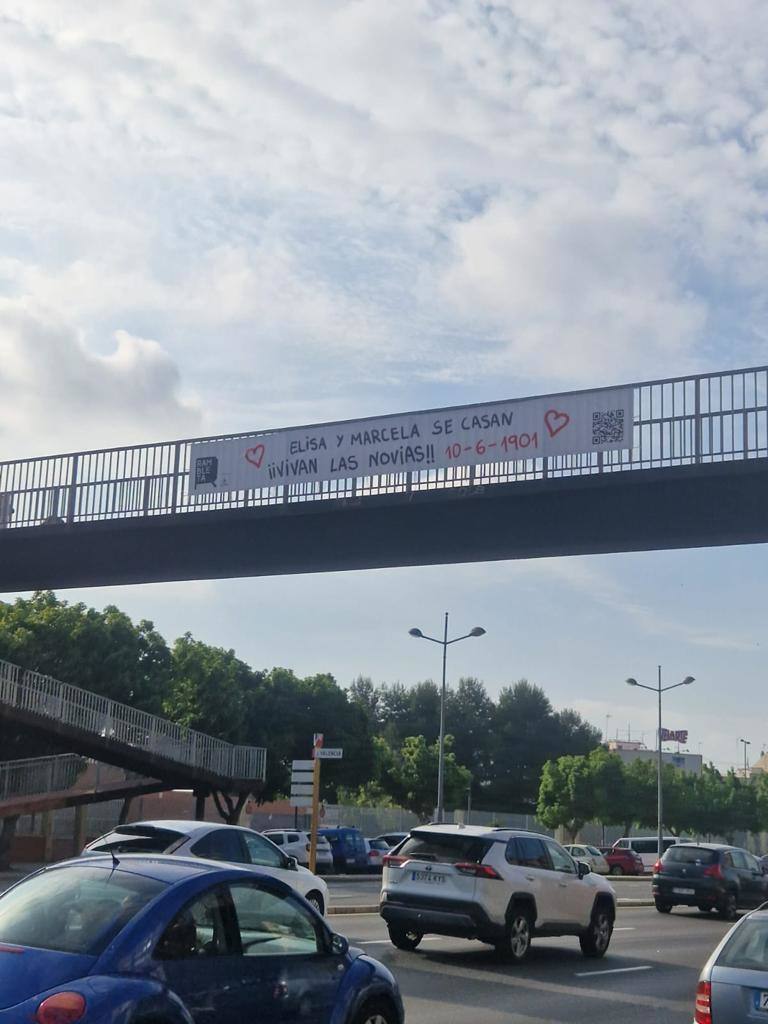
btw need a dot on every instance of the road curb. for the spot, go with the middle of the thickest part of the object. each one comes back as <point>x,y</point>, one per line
<point>373,908</point>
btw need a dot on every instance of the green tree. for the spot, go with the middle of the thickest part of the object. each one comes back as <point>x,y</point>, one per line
<point>567,796</point>
<point>210,689</point>
<point>526,733</point>
<point>469,717</point>
<point>410,775</point>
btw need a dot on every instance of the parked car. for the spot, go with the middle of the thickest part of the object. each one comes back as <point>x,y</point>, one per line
<point>296,843</point>
<point>375,850</point>
<point>590,855</point>
<point>622,861</point>
<point>173,939</point>
<point>393,839</point>
<point>647,847</point>
<point>348,848</point>
<point>709,876</point>
<point>229,843</point>
<point>502,886</point>
<point>733,984</point>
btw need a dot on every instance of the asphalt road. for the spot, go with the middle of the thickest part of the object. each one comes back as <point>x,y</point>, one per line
<point>649,972</point>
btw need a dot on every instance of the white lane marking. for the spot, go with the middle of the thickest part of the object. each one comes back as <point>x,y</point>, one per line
<point>387,942</point>
<point>625,928</point>
<point>615,970</point>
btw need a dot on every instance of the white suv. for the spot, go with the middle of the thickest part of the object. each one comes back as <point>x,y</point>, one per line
<point>502,886</point>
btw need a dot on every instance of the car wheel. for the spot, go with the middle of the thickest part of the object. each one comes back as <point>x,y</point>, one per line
<point>404,938</point>
<point>662,907</point>
<point>704,908</point>
<point>378,1012</point>
<point>727,907</point>
<point>595,941</point>
<point>617,869</point>
<point>516,944</point>
<point>316,900</point>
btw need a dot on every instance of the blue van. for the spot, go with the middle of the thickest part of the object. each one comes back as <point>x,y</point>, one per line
<point>348,848</point>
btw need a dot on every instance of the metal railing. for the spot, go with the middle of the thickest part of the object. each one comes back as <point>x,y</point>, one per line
<point>32,775</point>
<point>704,418</point>
<point>49,698</point>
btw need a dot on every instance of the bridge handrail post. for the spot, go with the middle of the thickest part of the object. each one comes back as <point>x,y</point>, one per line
<point>72,497</point>
<point>175,481</point>
<point>697,421</point>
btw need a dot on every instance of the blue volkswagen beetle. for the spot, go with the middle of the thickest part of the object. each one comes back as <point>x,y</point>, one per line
<point>164,940</point>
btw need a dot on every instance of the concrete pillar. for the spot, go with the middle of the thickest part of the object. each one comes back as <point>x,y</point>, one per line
<point>47,823</point>
<point>80,835</point>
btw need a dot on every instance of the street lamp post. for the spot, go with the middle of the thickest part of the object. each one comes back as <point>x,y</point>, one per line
<point>659,689</point>
<point>444,643</point>
<point>747,743</point>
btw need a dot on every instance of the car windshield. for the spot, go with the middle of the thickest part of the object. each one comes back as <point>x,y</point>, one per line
<point>594,851</point>
<point>447,849</point>
<point>689,855</point>
<point>748,946</point>
<point>73,910</point>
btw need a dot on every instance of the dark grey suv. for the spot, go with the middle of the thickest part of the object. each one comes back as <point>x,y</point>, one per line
<point>711,877</point>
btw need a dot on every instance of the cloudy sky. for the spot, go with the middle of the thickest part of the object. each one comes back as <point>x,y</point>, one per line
<point>254,213</point>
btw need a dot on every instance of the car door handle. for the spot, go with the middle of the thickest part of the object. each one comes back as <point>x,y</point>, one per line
<point>530,878</point>
<point>562,885</point>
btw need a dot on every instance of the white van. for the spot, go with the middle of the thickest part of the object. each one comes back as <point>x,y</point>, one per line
<point>647,847</point>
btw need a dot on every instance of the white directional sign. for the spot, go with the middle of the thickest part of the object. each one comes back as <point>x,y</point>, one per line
<point>329,753</point>
<point>302,783</point>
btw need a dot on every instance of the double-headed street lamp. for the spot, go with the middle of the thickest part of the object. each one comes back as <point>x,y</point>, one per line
<point>747,743</point>
<point>659,690</point>
<point>444,643</point>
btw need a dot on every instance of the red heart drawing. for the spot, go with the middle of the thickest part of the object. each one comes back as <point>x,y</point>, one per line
<point>556,421</point>
<point>255,455</point>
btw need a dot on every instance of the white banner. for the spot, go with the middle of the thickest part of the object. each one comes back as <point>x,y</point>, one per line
<point>466,436</point>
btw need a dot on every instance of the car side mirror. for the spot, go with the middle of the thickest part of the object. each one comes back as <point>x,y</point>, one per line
<point>293,864</point>
<point>339,945</point>
<point>584,869</point>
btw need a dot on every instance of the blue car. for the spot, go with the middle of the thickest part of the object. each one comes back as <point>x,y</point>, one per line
<point>166,940</point>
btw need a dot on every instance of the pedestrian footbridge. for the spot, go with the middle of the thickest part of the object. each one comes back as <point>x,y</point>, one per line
<point>159,753</point>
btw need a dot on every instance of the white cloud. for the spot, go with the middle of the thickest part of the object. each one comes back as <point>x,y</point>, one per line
<point>66,397</point>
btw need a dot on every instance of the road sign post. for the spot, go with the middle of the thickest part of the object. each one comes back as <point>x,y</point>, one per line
<point>319,753</point>
<point>315,815</point>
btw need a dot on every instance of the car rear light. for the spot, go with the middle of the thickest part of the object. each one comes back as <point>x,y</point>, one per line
<point>393,861</point>
<point>478,870</point>
<point>658,868</point>
<point>62,1008</point>
<point>703,1008</point>
<point>713,871</point>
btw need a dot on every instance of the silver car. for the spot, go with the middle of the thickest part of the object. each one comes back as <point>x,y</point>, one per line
<point>733,986</point>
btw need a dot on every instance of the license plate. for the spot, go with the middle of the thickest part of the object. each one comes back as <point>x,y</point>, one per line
<point>684,892</point>
<point>427,876</point>
<point>761,1001</point>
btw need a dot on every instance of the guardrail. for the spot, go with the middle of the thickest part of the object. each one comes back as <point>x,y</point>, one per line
<point>702,418</point>
<point>49,698</point>
<point>31,775</point>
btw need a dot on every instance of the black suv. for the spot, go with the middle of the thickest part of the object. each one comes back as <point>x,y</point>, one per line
<point>709,876</point>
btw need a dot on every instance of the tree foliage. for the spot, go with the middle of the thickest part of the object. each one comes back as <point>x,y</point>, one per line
<point>599,787</point>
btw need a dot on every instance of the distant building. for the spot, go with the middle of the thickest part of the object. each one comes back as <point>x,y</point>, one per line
<point>760,767</point>
<point>631,750</point>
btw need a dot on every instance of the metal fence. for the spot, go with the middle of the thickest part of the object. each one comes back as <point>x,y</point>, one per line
<point>705,418</point>
<point>33,775</point>
<point>49,698</point>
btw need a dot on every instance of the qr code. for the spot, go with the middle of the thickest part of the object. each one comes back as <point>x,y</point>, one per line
<point>608,427</point>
